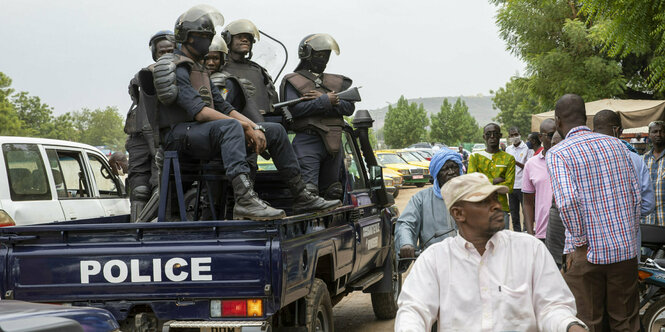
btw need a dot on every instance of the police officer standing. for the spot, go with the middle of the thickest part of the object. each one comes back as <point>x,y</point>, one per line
<point>201,124</point>
<point>142,170</point>
<point>318,121</point>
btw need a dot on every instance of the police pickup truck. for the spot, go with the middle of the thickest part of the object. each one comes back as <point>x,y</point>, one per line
<point>226,275</point>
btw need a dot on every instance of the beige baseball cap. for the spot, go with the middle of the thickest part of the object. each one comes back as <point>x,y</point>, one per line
<point>473,187</point>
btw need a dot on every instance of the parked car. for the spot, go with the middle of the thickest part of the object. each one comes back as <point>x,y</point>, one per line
<point>413,175</point>
<point>478,147</point>
<point>26,316</point>
<point>44,180</point>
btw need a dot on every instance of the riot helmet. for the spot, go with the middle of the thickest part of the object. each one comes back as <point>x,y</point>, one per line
<point>216,54</point>
<point>238,27</point>
<point>314,51</point>
<point>200,18</point>
<point>156,39</point>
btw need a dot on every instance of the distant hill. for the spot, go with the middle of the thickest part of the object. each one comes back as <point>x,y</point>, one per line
<point>480,108</point>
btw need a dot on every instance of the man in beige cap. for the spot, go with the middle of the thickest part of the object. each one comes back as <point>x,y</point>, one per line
<point>485,278</point>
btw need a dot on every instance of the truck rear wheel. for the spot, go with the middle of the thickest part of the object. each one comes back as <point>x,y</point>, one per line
<point>385,304</point>
<point>420,184</point>
<point>319,308</point>
<point>396,193</point>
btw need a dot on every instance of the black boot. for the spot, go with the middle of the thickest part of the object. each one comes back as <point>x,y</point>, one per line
<point>248,204</point>
<point>305,201</point>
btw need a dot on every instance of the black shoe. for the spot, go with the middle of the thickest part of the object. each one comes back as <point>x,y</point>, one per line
<point>248,204</point>
<point>305,201</point>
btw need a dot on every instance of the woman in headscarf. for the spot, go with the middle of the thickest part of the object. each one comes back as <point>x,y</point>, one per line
<point>426,220</point>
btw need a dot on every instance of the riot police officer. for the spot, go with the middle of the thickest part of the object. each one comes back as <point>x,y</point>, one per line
<point>240,36</point>
<point>318,120</point>
<point>201,124</point>
<point>142,170</point>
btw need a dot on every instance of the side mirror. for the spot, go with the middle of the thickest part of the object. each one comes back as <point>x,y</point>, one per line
<point>375,177</point>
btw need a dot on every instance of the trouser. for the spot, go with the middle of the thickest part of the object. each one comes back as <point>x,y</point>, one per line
<point>506,219</point>
<point>142,170</point>
<point>226,139</point>
<point>604,290</point>
<point>318,167</point>
<point>515,201</point>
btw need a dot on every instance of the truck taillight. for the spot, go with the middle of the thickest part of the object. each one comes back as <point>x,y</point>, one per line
<point>236,308</point>
<point>5,219</point>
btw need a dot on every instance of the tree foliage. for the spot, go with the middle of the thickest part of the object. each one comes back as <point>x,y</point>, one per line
<point>563,52</point>
<point>453,124</point>
<point>25,115</point>
<point>405,124</point>
<point>371,132</point>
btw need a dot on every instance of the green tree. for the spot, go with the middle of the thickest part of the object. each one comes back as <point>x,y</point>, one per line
<point>405,124</point>
<point>453,124</point>
<point>516,105</point>
<point>99,127</point>
<point>32,111</point>
<point>633,31</point>
<point>10,123</point>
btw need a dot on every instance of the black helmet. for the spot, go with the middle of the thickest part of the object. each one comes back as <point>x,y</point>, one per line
<point>317,42</point>
<point>157,37</point>
<point>200,18</point>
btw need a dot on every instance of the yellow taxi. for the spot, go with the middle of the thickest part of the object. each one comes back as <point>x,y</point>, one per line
<point>411,174</point>
<point>413,158</point>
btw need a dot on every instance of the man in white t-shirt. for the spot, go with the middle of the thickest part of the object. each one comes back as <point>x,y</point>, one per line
<point>522,153</point>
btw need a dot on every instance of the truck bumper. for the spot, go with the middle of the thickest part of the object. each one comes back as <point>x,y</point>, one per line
<point>217,326</point>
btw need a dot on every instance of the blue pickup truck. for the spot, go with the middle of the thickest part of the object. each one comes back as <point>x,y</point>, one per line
<point>225,275</point>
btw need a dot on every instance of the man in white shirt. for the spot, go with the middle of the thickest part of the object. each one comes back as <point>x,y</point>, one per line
<point>485,279</point>
<point>522,153</point>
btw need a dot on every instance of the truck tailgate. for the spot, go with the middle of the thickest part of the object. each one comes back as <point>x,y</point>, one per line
<point>183,260</point>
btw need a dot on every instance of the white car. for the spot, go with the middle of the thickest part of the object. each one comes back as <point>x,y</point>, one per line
<point>478,147</point>
<point>44,180</point>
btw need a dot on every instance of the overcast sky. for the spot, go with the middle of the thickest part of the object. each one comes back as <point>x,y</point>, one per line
<point>75,54</point>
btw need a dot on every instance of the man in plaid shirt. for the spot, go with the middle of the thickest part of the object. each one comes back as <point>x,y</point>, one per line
<point>656,164</point>
<point>596,190</point>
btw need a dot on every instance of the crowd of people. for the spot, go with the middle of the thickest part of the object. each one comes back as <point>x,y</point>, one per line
<point>570,264</point>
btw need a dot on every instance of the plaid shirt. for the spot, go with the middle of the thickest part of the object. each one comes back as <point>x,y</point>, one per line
<point>657,171</point>
<point>596,190</point>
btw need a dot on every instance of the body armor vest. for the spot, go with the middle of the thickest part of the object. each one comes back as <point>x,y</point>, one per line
<point>250,110</point>
<point>173,114</point>
<point>265,95</point>
<point>328,127</point>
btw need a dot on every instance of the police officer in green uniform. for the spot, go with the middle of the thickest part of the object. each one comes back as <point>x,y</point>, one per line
<point>142,170</point>
<point>201,124</point>
<point>318,120</point>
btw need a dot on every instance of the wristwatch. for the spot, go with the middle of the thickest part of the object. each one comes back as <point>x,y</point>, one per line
<point>576,323</point>
<point>260,127</point>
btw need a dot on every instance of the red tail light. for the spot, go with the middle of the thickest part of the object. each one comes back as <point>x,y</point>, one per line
<point>428,158</point>
<point>234,308</point>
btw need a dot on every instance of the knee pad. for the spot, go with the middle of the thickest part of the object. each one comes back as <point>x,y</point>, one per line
<point>140,193</point>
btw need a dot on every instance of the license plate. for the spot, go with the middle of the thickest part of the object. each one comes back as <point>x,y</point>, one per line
<point>417,176</point>
<point>220,329</point>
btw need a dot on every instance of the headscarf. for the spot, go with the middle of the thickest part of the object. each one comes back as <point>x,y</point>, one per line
<point>435,165</point>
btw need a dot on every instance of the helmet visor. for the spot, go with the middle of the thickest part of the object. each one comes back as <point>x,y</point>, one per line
<point>323,42</point>
<point>199,11</point>
<point>243,26</point>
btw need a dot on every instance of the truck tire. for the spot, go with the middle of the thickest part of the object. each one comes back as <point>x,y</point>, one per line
<point>653,317</point>
<point>420,184</point>
<point>319,316</point>
<point>396,193</point>
<point>385,304</point>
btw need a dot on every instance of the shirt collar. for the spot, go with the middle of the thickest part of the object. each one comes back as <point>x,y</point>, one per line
<point>541,155</point>
<point>467,246</point>
<point>579,130</point>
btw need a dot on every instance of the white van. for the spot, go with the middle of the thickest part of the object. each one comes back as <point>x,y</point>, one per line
<point>44,180</point>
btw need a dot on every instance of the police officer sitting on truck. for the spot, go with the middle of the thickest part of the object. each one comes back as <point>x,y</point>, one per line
<point>318,121</point>
<point>142,171</point>
<point>201,124</point>
<point>240,36</point>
